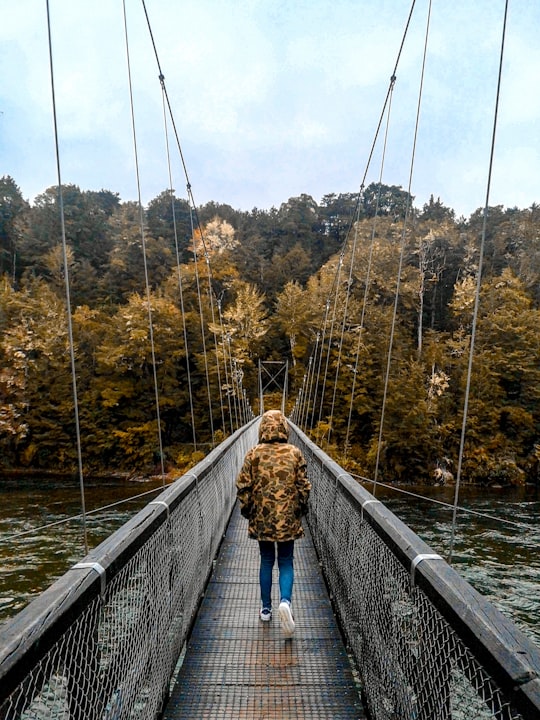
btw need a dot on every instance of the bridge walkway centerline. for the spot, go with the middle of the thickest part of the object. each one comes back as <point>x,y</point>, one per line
<point>236,666</point>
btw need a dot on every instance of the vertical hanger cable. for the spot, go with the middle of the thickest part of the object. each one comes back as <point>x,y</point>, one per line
<point>67,288</point>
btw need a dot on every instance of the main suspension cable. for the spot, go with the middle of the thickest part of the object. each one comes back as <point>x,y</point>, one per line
<point>357,212</point>
<point>367,282</point>
<point>226,365</point>
<point>202,324</point>
<point>344,316</point>
<point>195,225</point>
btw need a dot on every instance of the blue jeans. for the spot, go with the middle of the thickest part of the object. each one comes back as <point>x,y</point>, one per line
<point>285,556</point>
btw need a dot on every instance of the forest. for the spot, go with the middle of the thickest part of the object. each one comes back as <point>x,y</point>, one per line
<point>175,306</point>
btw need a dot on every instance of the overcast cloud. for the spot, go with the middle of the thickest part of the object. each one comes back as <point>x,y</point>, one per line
<point>272,98</point>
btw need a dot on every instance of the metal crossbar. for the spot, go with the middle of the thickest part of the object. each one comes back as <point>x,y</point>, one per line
<point>103,641</point>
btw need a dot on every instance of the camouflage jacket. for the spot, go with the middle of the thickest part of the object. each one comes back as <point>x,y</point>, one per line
<point>272,486</point>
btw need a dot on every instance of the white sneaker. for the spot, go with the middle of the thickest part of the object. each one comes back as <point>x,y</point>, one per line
<point>286,618</point>
<point>265,614</point>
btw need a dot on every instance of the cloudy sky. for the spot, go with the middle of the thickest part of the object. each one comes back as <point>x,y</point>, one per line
<point>273,98</point>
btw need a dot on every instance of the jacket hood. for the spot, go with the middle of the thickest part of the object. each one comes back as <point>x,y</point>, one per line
<point>273,427</point>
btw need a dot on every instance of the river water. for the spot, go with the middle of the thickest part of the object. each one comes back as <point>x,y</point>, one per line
<point>30,562</point>
<point>497,550</point>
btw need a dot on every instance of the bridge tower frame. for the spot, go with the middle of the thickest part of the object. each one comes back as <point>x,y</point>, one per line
<point>274,379</point>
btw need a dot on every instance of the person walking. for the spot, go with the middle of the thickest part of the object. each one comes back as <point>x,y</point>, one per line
<point>273,491</point>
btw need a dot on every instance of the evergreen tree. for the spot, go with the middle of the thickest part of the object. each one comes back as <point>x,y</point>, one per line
<point>386,200</point>
<point>125,274</point>
<point>167,215</point>
<point>13,209</point>
<point>86,222</point>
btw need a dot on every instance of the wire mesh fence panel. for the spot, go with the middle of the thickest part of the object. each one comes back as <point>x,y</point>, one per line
<point>425,643</point>
<point>103,641</point>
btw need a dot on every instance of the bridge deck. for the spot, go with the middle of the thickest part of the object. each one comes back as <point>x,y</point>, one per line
<point>235,666</point>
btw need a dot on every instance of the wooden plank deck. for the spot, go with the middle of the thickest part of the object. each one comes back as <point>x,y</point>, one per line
<point>236,667</point>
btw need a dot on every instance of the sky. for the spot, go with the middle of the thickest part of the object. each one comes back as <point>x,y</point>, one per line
<point>274,98</point>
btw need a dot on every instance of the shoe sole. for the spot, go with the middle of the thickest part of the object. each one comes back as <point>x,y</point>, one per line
<point>265,618</point>
<point>286,619</point>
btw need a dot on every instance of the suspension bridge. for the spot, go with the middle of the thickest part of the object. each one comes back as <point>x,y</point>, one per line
<point>161,620</point>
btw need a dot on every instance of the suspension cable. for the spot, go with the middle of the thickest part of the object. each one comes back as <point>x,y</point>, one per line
<point>401,256</point>
<point>194,221</point>
<point>316,378</point>
<point>162,80</point>
<point>310,383</point>
<point>389,92</point>
<point>346,304</point>
<point>449,506</point>
<point>358,202</point>
<point>322,337</point>
<point>179,276</point>
<point>367,280</point>
<point>226,363</point>
<point>64,521</point>
<point>345,311</point>
<point>478,286</point>
<point>67,287</point>
<point>143,243</point>
<point>331,333</point>
<point>201,322</point>
<point>211,294</point>
<point>198,225</point>
<point>304,394</point>
<point>234,373</point>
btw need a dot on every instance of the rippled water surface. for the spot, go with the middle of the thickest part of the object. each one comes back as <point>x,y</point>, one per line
<point>498,551</point>
<point>30,563</point>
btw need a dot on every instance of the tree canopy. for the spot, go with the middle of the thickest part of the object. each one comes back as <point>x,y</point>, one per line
<point>310,282</point>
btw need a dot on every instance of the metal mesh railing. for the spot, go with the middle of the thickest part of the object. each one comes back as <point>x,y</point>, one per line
<point>426,644</point>
<point>103,641</point>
